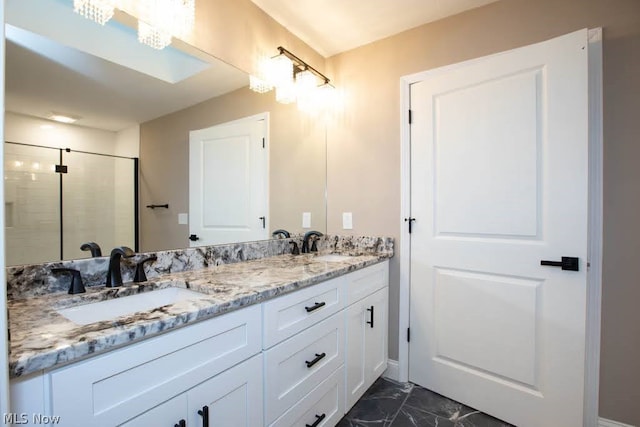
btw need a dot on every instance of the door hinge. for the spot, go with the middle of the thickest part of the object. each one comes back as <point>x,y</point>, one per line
<point>408,334</point>
<point>262,142</point>
<point>410,117</point>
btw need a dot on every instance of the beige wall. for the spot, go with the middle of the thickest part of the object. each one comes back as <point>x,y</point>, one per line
<point>364,149</point>
<point>297,165</point>
<point>364,144</point>
<point>237,31</point>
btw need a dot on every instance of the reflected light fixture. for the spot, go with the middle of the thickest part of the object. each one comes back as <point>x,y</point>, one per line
<point>99,11</point>
<point>158,20</point>
<point>62,118</point>
<point>294,81</point>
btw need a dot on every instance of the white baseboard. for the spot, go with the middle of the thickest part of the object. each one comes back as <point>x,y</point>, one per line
<point>393,371</point>
<point>608,423</point>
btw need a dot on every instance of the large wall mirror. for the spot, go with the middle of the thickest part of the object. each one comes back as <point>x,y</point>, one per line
<point>58,62</point>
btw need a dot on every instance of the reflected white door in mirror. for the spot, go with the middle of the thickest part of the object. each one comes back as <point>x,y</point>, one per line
<point>228,182</point>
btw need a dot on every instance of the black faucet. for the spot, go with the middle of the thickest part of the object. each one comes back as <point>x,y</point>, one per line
<point>305,242</point>
<point>281,232</point>
<point>114,274</point>
<point>93,247</point>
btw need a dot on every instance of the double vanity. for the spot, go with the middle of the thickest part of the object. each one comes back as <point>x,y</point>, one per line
<point>284,340</point>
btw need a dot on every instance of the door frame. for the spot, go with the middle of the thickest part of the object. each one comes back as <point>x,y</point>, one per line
<point>594,274</point>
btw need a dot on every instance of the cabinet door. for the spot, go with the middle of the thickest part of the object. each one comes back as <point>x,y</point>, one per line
<point>167,414</point>
<point>231,399</point>
<point>366,343</point>
<point>376,325</point>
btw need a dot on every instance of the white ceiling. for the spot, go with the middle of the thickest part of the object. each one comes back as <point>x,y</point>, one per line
<point>56,74</point>
<point>334,26</point>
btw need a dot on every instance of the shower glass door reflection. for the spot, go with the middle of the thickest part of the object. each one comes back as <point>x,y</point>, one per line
<point>31,204</point>
<point>56,200</point>
<point>97,203</point>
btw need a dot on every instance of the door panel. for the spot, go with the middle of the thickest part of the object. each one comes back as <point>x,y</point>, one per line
<point>474,129</point>
<point>499,183</point>
<point>228,181</point>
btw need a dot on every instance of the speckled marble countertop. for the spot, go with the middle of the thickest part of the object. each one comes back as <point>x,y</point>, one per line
<point>40,338</point>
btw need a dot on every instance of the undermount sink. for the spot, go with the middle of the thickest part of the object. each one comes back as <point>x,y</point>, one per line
<point>110,309</point>
<point>333,258</point>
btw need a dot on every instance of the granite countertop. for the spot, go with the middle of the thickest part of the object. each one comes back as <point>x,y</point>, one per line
<point>40,338</point>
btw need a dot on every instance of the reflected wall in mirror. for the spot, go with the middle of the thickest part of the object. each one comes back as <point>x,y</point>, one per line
<point>124,111</point>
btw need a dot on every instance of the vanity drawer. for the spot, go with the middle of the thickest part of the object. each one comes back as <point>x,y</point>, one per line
<point>289,314</point>
<point>295,367</point>
<point>366,281</point>
<point>109,389</point>
<point>325,401</point>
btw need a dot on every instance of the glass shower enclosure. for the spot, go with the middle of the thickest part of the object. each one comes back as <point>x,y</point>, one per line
<point>57,199</point>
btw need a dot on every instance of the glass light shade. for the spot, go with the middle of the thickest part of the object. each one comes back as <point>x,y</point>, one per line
<point>99,11</point>
<point>159,20</point>
<point>280,72</point>
<point>256,84</point>
<point>305,84</point>
<point>286,94</point>
<point>325,96</point>
<point>152,36</point>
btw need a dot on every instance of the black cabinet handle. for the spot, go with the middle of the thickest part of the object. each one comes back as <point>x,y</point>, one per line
<point>194,237</point>
<point>315,306</point>
<point>263,219</point>
<point>318,358</point>
<point>204,413</point>
<point>181,423</point>
<point>568,263</point>
<point>371,321</point>
<point>318,420</point>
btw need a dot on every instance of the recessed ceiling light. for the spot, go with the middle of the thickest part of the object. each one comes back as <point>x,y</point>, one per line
<point>63,118</point>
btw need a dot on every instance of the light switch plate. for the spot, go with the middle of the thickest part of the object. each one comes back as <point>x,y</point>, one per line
<point>347,221</point>
<point>306,219</point>
<point>183,218</point>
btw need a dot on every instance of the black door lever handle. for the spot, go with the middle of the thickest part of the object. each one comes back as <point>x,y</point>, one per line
<point>568,263</point>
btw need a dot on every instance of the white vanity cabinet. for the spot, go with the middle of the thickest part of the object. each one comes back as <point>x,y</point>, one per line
<point>366,330</point>
<point>299,359</point>
<point>154,378</point>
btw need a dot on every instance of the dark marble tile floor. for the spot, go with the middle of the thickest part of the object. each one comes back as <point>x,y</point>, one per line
<point>391,404</point>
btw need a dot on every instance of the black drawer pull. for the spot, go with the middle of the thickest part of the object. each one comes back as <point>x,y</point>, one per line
<point>204,413</point>
<point>371,321</point>
<point>315,306</point>
<point>319,419</point>
<point>318,358</point>
<point>181,423</point>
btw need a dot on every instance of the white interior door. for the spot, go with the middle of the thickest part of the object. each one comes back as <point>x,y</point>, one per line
<point>499,183</point>
<point>228,182</point>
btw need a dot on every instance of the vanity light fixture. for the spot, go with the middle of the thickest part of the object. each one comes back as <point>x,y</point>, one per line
<point>294,80</point>
<point>158,20</point>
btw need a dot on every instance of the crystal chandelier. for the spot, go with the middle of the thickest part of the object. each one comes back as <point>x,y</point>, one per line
<point>158,20</point>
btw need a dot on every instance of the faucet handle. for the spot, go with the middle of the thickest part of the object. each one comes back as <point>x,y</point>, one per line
<point>76,286</point>
<point>314,246</point>
<point>140,275</point>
